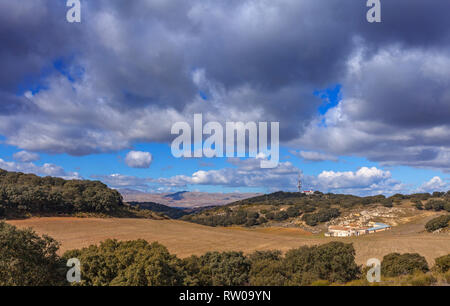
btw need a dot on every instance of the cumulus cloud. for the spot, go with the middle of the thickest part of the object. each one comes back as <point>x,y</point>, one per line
<point>364,181</point>
<point>138,159</point>
<point>250,60</point>
<point>386,123</point>
<point>434,184</point>
<point>25,156</point>
<point>245,173</point>
<point>44,170</point>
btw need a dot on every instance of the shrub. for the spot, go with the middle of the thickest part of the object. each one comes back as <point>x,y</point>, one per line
<point>127,263</point>
<point>447,277</point>
<point>437,205</point>
<point>323,215</point>
<point>437,223</point>
<point>334,262</point>
<point>442,264</point>
<point>27,259</point>
<point>447,206</point>
<point>267,269</point>
<point>217,269</point>
<point>281,216</point>
<point>387,202</point>
<point>396,264</point>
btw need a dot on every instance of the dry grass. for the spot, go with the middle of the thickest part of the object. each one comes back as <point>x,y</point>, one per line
<point>185,239</point>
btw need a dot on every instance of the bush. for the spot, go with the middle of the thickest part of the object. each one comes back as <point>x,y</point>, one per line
<point>447,277</point>
<point>127,263</point>
<point>437,205</point>
<point>27,259</point>
<point>292,212</point>
<point>281,216</point>
<point>447,206</point>
<point>217,269</point>
<point>334,262</point>
<point>396,264</point>
<point>442,264</point>
<point>267,269</point>
<point>387,203</point>
<point>323,215</point>
<point>437,223</point>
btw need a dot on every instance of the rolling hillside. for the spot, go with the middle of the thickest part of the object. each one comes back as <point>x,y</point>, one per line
<point>312,213</point>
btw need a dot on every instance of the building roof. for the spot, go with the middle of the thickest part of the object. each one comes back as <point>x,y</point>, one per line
<point>338,228</point>
<point>379,226</point>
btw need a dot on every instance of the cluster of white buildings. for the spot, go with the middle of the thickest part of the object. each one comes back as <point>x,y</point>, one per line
<point>350,230</point>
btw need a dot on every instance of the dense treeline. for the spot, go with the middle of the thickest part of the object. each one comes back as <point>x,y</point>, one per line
<point>227,218</point>
<point>22,194</point>
<point>27,259</point>
<point>171,212</point>
<point>323,215</point>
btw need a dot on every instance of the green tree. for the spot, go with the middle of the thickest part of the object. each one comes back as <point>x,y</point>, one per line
<point>127,263</point>
<point>395,264</point>
<point>334,261</point>
<point>437,223</point>
<point>27,259</point>
<point>217,269</point>
<point>442,264</point>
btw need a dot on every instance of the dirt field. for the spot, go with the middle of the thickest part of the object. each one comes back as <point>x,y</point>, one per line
<point>184,238</point>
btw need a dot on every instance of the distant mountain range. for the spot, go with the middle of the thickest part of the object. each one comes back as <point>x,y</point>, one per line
<point>185,199</point>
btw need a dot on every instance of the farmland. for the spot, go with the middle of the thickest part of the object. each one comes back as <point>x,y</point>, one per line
<point>184,238</point>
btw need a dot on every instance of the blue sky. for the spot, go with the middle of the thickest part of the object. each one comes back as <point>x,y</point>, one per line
<point>363,108</point>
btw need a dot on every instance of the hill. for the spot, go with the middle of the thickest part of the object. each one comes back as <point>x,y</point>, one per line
<point>25,195</point>
<point>293,209</point>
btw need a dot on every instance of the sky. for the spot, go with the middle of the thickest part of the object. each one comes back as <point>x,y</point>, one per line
<point>363,108</point>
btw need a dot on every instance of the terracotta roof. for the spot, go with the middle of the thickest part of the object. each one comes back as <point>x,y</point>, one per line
<point>338,228</point>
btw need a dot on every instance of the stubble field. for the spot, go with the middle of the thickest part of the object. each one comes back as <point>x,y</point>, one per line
<point>184,239</point>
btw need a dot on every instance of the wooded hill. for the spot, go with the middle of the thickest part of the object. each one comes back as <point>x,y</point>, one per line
<point>23,195</point>
<point>312,209</point>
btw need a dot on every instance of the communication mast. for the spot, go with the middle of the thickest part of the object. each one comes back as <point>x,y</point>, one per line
<point>300,186</point>
<point>299,183</point>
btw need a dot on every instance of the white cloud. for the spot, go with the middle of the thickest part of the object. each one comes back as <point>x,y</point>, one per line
<point>364,181</point>
<point>434,184</point>
<point>138,159</point>
<point>44,170</point>
<point>25,156</point>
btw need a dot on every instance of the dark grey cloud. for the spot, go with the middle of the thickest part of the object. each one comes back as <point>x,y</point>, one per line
<point>138,66</point>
